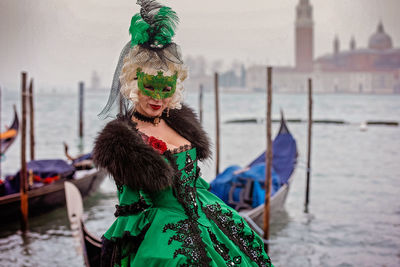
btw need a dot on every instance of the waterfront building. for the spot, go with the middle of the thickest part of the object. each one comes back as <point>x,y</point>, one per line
<point>375,69</point>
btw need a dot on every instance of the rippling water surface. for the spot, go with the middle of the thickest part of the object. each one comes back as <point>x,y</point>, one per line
<point>354,217</point>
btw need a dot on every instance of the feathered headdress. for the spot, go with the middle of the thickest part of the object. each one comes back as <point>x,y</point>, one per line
<point>152,31</point>
<point>154,26</point>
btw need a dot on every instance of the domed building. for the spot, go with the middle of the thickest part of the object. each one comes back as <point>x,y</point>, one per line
<point>375,69</point>
<point>380,40</point>
<point>380,55</point>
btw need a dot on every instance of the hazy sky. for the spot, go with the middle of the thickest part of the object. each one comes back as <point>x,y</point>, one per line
<point>61,42</point>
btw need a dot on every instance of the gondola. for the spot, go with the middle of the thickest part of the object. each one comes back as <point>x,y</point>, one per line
<point>49,196</point>
<point>91,245</point>
<point>243,188</point>
<point>8,137</point>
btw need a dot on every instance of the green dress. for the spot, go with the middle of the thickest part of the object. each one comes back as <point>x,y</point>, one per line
<point>183,225</point>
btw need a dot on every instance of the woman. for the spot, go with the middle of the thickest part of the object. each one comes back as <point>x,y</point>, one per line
<point>166,216</point>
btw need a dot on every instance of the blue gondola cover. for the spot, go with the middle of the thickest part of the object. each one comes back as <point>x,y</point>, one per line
<point>283,164</point>
<point>284,156</point>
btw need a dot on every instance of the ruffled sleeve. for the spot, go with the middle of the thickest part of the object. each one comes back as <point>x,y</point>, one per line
<point>134,215</point>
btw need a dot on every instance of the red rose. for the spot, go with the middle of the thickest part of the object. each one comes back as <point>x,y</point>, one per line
<point>157,144</point>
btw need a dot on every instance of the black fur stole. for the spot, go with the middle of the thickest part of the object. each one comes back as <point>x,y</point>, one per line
<point>121,151</point>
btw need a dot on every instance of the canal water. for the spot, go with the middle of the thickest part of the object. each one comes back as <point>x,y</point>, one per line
<point>354,217</point>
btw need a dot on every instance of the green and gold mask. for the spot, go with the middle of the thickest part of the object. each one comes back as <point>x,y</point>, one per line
<point>156,86</point>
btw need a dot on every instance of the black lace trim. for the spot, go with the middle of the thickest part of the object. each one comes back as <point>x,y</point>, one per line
<point>180,149</point>
<point>184,187</point>
<point>224,251</point>
<point>188,231</point>
<point>144,118</point>
<point>235,232</point>
<point>219,247</point>
<point>134,208</point>
<point>193,247</point>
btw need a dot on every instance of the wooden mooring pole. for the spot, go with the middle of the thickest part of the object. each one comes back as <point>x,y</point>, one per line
<point>310,104</point>
<point>217,145</point>
<point>81,93</point>
<point>201,103</point>
<point>1,155</point>
<point>23,172</point>
<point>268,158</point>
<point>31,121</point>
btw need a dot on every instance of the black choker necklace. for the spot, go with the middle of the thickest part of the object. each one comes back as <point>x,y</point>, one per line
<point>154,120</point>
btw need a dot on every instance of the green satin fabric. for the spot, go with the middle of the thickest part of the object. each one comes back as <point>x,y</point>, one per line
<point>159,246</point>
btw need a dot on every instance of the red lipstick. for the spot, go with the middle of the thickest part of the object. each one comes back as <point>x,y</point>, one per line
<point>155,107</point>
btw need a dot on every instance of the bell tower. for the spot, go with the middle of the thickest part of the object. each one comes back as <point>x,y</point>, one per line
<point>304,36</point>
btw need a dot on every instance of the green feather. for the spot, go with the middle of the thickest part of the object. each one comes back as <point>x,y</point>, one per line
<point>138,30</point>
<point>155,24</point>
<point>164,25</point>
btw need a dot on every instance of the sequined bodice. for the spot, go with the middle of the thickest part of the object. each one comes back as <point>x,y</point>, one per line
<point>182,195</point>
<point>184,183</point>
